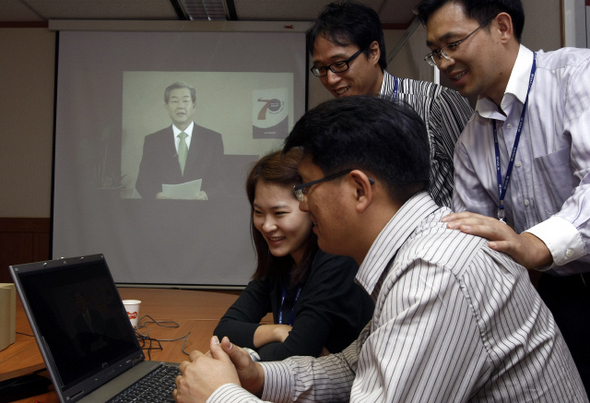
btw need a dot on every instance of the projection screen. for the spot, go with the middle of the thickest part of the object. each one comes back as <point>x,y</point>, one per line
<point>250,90</point>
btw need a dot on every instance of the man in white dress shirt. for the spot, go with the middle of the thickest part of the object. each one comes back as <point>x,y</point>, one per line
<point>524,159</point>
<point>454,320</point>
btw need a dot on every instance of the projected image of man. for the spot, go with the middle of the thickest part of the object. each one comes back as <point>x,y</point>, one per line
<point>180,153</point>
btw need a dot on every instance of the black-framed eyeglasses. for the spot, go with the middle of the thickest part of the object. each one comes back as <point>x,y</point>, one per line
<point>300,189</point>
<point>337,67</point>
<point>436,55</point>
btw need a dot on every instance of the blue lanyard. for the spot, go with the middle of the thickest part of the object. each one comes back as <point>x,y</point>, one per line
<point>394,95</point>
<point>292,310</point>
<point>503,186</point>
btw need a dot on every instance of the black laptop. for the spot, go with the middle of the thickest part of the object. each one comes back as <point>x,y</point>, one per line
<point>83,331</point>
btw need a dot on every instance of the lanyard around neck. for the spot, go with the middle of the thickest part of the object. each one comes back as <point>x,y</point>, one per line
<point>502,187</point>
<point>395,89</point>
<point>292,309</point>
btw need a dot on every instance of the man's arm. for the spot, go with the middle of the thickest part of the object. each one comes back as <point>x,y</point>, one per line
<point>228,373</point>
<point>144,184</point>
<point>159,163</point>
<point>449,114</point>
<point>567,233</point>
<point>526,249</point>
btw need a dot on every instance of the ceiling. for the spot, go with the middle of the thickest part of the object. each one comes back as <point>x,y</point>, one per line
<point>394,14</point>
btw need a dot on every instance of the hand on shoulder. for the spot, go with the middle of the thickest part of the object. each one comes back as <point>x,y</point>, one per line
<point>526,249</point>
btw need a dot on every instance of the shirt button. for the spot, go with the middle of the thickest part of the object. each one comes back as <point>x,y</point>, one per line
<point>569,252</point>
<point>509,126</point>
<point>526,203</point>
<point>518,164</point>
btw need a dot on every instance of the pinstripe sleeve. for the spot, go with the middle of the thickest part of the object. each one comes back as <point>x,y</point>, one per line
<point>306,379</point>
<point>448,115</point>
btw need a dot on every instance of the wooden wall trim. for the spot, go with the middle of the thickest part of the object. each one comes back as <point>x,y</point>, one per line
<point>24,24</point>
<point>22,224</point>
<point>23,240</point>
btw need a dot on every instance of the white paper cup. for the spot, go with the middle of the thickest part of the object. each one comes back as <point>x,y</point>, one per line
<point>132,308</point>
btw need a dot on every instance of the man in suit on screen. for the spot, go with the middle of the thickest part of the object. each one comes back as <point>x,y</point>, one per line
<point>182,152</point>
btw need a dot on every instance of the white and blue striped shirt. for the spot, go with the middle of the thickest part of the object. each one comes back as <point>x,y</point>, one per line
<point>445,113</point>
<point>454,321</point>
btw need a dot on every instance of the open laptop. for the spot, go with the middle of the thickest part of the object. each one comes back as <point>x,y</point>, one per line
<point>82,328</point>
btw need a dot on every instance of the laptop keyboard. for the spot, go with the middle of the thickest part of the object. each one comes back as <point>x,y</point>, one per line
<point>155,387</point>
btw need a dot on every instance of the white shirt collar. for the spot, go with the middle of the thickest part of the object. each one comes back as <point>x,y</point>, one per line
<point>518,84</point>
<point>516,89</point>
<point>387,82</point>
<point>188,130</point>
<point>391,238</point>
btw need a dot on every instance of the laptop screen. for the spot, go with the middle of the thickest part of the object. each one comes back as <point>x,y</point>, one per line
<point>79,315</point>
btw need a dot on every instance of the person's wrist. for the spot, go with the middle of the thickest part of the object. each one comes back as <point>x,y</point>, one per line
<point>259,387</point>
<point>539,254</point>
<point>277,334</point>
<point>253,354</point>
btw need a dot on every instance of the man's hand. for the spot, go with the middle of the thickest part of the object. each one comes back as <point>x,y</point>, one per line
<point>202,196</point>
<point>202,375</point>
<point>250,373</point>
<point>525,248</point>
<point>225,363</point>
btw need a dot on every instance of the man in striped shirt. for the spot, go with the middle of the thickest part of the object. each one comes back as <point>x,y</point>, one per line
<point>347,46</point>
<point>454,320</point>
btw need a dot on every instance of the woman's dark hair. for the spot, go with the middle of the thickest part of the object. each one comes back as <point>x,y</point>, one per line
<point>278,168</point>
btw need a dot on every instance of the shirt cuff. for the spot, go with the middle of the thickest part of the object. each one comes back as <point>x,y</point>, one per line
<point>230,392</point>
<point>278,381</point>
<point>561,238</point>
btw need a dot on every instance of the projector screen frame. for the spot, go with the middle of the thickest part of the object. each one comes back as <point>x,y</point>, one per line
<point>174,26</point>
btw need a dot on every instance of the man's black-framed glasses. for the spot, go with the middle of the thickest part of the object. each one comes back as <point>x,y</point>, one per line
<point>300,189</point>
<point>337,67</point>
<point>436,55</point>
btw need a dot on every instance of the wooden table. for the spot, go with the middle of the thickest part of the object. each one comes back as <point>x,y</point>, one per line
<point>196,312</point>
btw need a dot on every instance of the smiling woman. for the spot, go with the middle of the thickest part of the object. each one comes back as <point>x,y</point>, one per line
<point>317,308</point>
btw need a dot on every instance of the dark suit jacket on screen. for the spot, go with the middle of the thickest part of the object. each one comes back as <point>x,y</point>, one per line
<point>159,163</point>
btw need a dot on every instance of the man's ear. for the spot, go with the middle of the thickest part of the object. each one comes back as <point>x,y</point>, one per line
<point>374,52</point>
<point>363,189</point>
<point>505,27</point>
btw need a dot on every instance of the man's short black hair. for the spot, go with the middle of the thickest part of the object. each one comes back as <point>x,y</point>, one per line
<point>385,138</point>
<point>479,10</point>
<point>349,23</point>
